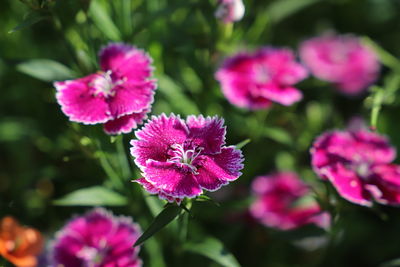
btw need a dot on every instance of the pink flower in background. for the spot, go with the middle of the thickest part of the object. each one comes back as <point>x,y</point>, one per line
<point>119,96</point>
<point>230,10</point>
<point>97,239</point>
<point>283,201</point>
<point>255,80</point>
<point>180,158</point>
<point>342,60</point>
<point>358,164</point>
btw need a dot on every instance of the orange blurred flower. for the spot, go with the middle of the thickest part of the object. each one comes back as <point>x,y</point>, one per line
<point>19,244</point>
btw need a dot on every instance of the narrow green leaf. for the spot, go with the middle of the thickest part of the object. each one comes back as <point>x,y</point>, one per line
<point>385,57</point>
<point>103,21</point>
<point>243,143</point>
<point>31,18</point>
<point>45,70</point>
<point>92,196</point>
<point>167,215</point>
<point>213,249</point>
<point>278,135</point>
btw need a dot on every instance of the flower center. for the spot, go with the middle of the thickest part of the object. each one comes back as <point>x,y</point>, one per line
<point>103,84</point>
<point>363,169</point>
<point>262,75</point>
<point>185,156</point>
<point>93,256</point>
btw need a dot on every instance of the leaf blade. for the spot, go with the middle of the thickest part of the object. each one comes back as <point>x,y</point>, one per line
<point>213,249</point>
<point>103,21</point>
<point>240,145</point>
<point>45,69</point>
<point>167,215</point>
<point>31,19</point>
<point>92,196</point>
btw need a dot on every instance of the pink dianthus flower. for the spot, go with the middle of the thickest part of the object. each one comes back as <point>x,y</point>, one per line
<point>230,10</point>
<point>180,158</point>
<point>358,164</point>
<point>119,95</point>
<point>97,239</point>
<point>255,80</point>
<point>342,60</point>
<point>283,201</point>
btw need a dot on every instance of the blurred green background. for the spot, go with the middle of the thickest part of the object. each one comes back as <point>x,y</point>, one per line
<point>44,157</point>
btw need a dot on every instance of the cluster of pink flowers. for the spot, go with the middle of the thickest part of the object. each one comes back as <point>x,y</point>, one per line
<point>180,158</point>
<point>359,165</point>
<point>342,60</point>
<point>119,96</point>
<point>283,201</point>
<point>97,239</point>
<point>255,80</point>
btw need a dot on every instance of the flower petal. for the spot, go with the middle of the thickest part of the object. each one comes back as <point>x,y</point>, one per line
<point>208,133</point>
<point>126,60</point>
<point>153,190</point>
<point>282,95</point>
<point>155,138</point>
<point>348,184</point>
<point>282,67</point>
<point>254,80</point>
<point>219,169</point>
<point>386,188</point>
<point>341,59</point>
<point>124,124</point>
<point>79,103</point>
<point>171,180</point>
<point>148,186</point>
<point>350,146</point>
<point>132,97</point>
<point>375,148</point>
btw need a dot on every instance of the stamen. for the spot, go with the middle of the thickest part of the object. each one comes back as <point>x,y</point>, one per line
<point>104,84</point>
<point>184,156</point>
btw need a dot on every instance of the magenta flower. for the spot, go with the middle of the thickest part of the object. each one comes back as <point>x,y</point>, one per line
<point>97,239</point>
<point>230,10</point>
<point>358,164</point>
<point>256,80</point>
<point>283,201</point>
<point>342,60</point>
<point>180,158</point>
<point>120,95</point>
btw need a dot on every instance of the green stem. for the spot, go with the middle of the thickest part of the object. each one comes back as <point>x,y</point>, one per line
<point>261,119</point>
<point>122,158</point>
<point>109,170</point>
<point>107,167</point>
<point>376,106</point>
<point>183,222</point>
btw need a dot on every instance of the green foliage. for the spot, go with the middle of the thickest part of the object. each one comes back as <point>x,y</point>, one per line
<point>98,12</point>
<point>166,216</point>
<point>45,70</point>
<point>45,157</point>
<point>212,248</point>
<point>30,19</point>
<point>92,196</point>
